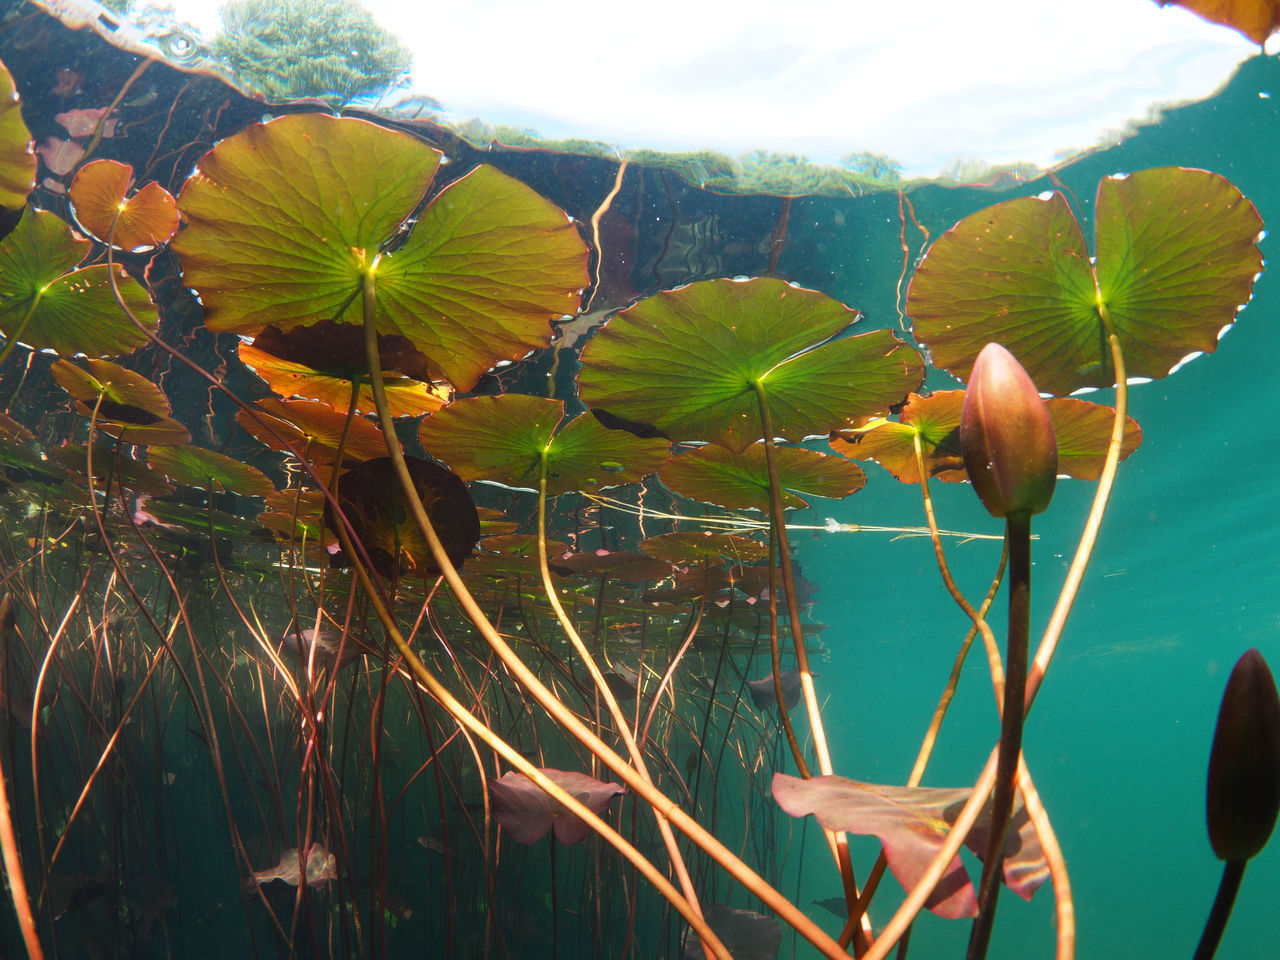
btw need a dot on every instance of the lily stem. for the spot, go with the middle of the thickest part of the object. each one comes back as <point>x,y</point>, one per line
<point>1232,874</point>
<point>1018,539</point>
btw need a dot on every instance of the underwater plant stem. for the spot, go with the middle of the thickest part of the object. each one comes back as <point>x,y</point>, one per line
<point>1075,573</point>
<point>978,617</point>
<point>17,883</point>
<point>839,840</point>
<point>1018,537</point>
<point>1232,874</point>
<point>1064,903</point>
<point>603,689</point>
<point>743,874</point>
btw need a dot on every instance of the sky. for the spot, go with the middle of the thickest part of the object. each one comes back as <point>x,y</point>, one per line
<point>924,81</point>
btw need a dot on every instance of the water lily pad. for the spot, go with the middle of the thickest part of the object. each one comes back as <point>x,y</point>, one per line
<point>47,303</point>
<point>287,218</point>
<point>129,406</point>
<point>689,362</point>
<point>691,548</point>
<point>1256,19</point>
<point>912,823</point>
<point>320,361</point>
<point>1082,429</point>
<point>1083,432</point>
<point>372,501</point>
<point>505,438</point>
<point>741,480</point>
<point>625,566</point>
<point>1176,258</point>
<point>99,200</point>
<point>936,418</point>
<point>209,470</point>
<point>314,429</point>
<point>17,161</point>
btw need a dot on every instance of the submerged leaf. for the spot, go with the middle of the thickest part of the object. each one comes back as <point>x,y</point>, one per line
<point>209,470</point>
<point>374,504</point>
<point>912,823</point>
<point>527,813</point>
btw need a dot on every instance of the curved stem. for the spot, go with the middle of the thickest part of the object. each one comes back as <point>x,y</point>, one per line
<point>611,702</point>
<point>838,840</point>
<point>1232,874</point>
<point>548,701</point>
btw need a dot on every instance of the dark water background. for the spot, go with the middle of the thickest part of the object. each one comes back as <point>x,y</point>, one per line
<point>1184,579</point>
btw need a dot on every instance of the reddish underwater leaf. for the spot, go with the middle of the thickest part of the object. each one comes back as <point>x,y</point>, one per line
<point>717,475</point>
<point>147,219</point>
<point>373,502</point>
<point>314,429</point>
<point>60,156</point>
<point>912,823</point>
<point>527,813</point>
<point>505,438</point>
<point>17,162</point>
<point>320,361</point>
<point>84,122</point>
<point>1256,19</point>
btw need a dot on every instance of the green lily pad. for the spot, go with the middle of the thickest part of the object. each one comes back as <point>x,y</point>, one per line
<point>17,161</point>
<point>287,218</point>
<point>206,468</point>
<point>1082,429</point>
<point>1176,258</point>
<point>46,302</point>
<point>504,439</point>
<point>741,480</point>
<point>688,362</point>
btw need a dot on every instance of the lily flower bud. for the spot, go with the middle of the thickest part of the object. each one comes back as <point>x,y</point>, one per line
<point>1006,438</point>
<point>1243,797</point>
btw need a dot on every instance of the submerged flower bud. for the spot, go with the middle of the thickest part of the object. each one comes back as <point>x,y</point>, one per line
<point>1244,763</point>
<point>1006,437</point>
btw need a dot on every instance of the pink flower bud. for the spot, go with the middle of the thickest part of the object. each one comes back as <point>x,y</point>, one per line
<point>1244,763</point>
<point>1006,437</point>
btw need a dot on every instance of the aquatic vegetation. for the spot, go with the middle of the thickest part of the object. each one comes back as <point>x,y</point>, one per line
<point>365,627</point>
<point>290,49</point>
